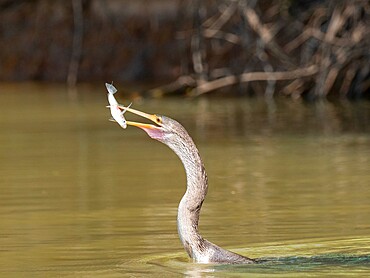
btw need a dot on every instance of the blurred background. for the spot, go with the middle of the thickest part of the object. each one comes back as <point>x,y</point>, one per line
<point>274,93</point>
<point>293,48</point>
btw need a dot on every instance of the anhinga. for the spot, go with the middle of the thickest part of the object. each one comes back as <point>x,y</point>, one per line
<point>174,135</point>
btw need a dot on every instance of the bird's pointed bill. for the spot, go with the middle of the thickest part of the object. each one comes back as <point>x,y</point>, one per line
<point>152,117</point>
<point>154,131</point>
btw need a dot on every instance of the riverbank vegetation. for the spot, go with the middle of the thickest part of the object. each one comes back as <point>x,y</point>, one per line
<point>300,49</point>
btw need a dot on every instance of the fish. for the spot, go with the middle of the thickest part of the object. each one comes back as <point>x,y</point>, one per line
<point>117,114</point>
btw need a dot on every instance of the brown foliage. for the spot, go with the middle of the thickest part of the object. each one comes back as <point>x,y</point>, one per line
<point>294,48</point>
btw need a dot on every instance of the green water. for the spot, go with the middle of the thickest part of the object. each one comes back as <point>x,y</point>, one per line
<point>81,197</point>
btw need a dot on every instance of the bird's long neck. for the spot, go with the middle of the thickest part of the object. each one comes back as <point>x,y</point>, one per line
<point>191,202</point>
<point>198,248</point>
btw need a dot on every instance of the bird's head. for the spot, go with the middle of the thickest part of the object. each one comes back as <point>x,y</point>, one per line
<point>163,129</point>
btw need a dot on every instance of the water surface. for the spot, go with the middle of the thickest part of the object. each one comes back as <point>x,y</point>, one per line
<point>80,196</point>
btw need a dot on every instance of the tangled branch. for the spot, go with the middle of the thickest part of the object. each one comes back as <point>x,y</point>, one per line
<point>321,51</point>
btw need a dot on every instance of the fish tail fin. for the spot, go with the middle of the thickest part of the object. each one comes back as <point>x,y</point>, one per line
<point>110,88</point>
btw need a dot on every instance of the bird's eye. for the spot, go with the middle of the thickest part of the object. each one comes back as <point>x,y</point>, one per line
<point>159,120</point>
